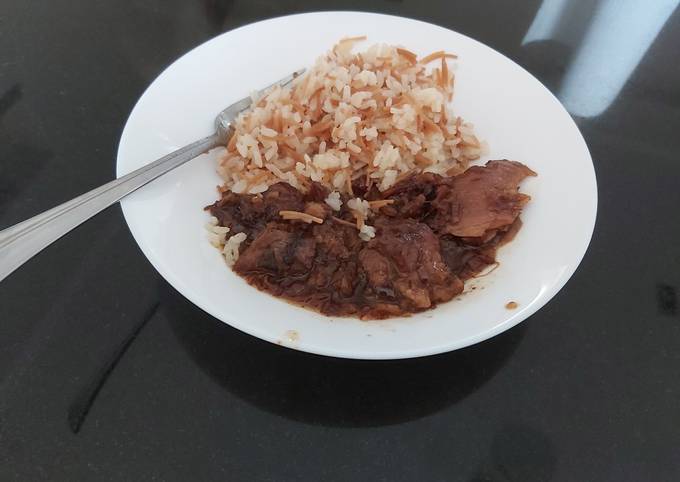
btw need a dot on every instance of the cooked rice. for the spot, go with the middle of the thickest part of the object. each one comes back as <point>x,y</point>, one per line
<point>334,201</point>
<point>376,115</point>
<point>231,248</point>
<point>217,235</point>
<point>360,206</point>
<point>366,233</point>
<point>379,116</point>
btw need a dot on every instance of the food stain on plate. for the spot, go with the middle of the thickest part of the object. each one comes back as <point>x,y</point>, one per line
<point>289,338</point>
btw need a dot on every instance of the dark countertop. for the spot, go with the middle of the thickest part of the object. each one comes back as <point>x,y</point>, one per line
<point>107,373</point>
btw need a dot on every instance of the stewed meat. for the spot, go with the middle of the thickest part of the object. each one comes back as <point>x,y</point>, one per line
<point>431,235</point>
<point>480,199</point>
<point>250,214</point>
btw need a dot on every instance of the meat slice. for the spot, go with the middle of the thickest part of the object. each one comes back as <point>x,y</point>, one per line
<point>336,241</point>
<point>466,260</point>
<point>278,252</point>
<point>425,183</point>
<point>377,268</point>
<point>317,192</point>
<point>480,199</point>
<point>419,275</point>
<point>247,213</point>
<point>412,196</point>
<point>317,209</point>
<point>268,253</point>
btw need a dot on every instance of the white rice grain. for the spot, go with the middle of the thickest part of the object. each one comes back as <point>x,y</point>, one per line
<point>231,248</point>
<point>334,201</point>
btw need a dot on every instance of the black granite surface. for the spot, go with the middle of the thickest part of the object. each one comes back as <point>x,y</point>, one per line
<point>107,373</point>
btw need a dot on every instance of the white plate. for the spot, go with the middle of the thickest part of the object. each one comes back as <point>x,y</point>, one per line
<point>512,110</point>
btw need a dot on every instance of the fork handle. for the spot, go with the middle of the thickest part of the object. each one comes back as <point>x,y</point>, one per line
<point>21,242</point>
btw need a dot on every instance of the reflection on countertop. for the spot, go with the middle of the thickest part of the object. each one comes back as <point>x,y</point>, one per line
<point>330,391</point>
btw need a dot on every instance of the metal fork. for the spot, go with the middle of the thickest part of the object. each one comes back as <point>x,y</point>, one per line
<point>21,242</point>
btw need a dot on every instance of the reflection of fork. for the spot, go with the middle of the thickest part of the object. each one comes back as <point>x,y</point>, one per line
<point>21,242</point>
